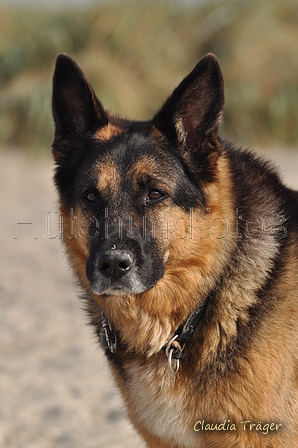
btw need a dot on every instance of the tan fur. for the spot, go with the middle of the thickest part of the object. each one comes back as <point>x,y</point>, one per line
<point>107,132</point>
<point>142,167</point>
<point>108,176</point>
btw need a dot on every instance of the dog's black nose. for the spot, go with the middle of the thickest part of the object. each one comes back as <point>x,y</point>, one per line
<point>114,264</point>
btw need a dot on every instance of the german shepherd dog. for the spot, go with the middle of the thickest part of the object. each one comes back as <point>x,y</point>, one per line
<point>186,250</point>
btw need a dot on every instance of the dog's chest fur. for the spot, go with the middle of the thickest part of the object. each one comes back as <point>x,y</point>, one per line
<point>158,405</point>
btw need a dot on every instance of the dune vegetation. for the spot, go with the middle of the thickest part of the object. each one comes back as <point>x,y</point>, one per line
<point>135,52</point>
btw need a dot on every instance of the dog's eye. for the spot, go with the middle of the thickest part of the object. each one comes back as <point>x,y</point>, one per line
<point>153,195</point>
<point>91,197</point>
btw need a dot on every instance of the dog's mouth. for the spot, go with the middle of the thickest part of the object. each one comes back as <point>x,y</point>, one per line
<point>115,292</point>
<point>129,284</point>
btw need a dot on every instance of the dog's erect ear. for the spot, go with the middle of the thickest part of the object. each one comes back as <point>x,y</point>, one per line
<point>76,110</point>
<point>191,115</point>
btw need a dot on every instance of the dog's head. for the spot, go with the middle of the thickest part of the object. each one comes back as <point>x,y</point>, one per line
<point>127,188</point>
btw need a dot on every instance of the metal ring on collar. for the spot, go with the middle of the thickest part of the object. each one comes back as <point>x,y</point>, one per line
<point>170,363</point>
<point>169,353</point>
<point>170,345</point>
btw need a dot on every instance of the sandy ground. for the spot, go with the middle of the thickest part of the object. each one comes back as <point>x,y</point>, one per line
<point>55,387</point>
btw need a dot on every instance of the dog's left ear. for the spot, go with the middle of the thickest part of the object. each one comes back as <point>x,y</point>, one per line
<point>76,109</point>
<point>191,116</point>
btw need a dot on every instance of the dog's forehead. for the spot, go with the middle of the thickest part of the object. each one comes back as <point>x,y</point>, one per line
<point>133,159</point>
<point>113,172</point>
<point>108,174</point>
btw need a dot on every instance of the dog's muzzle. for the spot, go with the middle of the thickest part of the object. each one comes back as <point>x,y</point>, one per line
<point>114,264</point>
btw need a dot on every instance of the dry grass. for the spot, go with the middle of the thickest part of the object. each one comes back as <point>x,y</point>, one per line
<point>135,53</point>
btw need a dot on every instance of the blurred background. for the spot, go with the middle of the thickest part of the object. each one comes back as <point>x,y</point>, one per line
<point>55,388</point>
<point>135,52</point>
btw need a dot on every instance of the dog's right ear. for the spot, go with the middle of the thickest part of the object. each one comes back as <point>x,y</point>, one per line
<point>76,110</point>
<point>191,116</point>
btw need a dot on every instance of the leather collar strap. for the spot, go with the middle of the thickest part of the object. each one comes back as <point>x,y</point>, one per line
<point>185,332</point>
